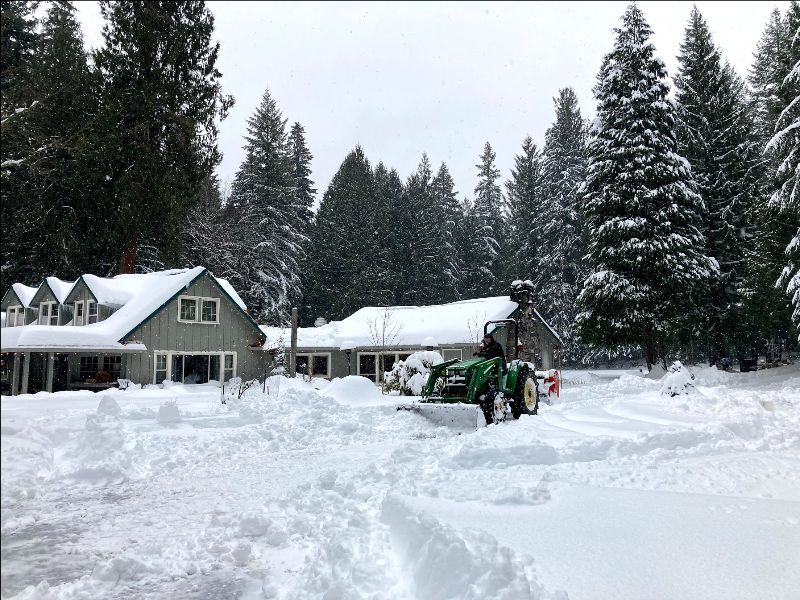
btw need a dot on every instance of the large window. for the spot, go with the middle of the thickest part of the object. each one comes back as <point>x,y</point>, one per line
<point>194,368</point>
<point>48,313</point>
<point>79,318</point>
<point>194,309</point>
<point>89,367</point>
<point>113,366</point>
<point>314,365</point>
<point>451,353</point>
<point>388,359</point>
<point>15,316</point>
<point>368,365</point>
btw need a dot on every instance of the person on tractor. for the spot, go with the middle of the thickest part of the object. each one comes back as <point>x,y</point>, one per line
<point>489,348</point>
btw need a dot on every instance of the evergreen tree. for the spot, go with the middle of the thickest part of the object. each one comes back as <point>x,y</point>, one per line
<point>342,267</point>
<point>485,262</point>
<point>449,262</point>
<point>305,193</point>
<point>561,271</point>
<point>784,147</point>
<point>18,40</point>
<point>715,136</point>
<point>158,127</point>
<point>273,214</point>
<point>391,266</point>
<point>646,255</point>
<point>770,64</point>
<point>525,202</point>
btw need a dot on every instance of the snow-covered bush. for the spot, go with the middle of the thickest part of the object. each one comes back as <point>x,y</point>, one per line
<point>677,381</point>
<point>408,377</point>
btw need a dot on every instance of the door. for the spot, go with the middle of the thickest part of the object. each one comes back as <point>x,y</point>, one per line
<point>60,373</point>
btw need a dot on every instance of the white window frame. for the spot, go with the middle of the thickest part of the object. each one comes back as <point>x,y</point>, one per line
<point>218,376</point>
<point>12,316</point>
<point>198,310</point>
<point>80,305</point>
<point>52,311</point>
<point>310,357</point>
<point>91,304</point>
<point>377,364</point>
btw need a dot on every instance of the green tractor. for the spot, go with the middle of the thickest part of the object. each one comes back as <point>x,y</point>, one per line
<point>479,391</point>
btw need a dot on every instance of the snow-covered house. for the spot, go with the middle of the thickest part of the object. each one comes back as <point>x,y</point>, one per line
<point>377,337</point>
<point>181,325</point>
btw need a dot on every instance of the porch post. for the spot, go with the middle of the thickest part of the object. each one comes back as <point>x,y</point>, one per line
<point>50,368</point>
<point>15,375</point>
<point>26,367</point>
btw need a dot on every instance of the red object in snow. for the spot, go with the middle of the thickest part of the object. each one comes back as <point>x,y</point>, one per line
<point>553,382</point>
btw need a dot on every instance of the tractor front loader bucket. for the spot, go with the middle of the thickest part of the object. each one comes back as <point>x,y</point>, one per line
<point>457,415</point>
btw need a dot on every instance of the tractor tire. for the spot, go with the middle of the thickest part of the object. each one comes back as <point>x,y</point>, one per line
<point>492,412</point>
<point>526,394</point>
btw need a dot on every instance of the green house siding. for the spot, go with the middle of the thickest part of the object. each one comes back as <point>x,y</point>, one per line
<point>164,333</point>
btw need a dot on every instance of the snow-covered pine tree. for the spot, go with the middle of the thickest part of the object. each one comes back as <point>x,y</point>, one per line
<point>391,268</point>
<point>18,40</point>
<point>162,100</point>
<point>305,193</point>
<point>525,203</point>
<point>271,223</point>
<point>715,135</point>
<point>341,266</point>
<point>561,270</point>
<point>784,147</point>
<point>646,254</point>
<point>768,305</point>
<point>485,266</point>
<point>449,260</point>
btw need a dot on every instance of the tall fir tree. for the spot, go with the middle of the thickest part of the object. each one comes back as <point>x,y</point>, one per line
<point>18,41</point>
<point>449,261</point>
<point>391,268</point>
<point>273,217</point>
<point>646,253</point>
<point>341,267</point>
<point>525,202</point>
<point>784,148</point>
<point>484,266</point>
<point>305,193</point>
<point>715,135</point>
<point>561,267</point>
<point>162,100</point>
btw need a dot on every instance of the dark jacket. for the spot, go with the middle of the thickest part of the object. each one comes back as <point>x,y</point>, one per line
<point>493,350</point>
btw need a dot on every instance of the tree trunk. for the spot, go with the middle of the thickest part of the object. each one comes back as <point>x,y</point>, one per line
<point>127,262</point>
<point>648,349</point>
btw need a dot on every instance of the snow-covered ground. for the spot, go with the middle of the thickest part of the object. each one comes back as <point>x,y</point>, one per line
<point>325,491</point>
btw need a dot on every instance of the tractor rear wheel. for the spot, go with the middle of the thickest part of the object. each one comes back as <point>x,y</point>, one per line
<point>526,394</point>
<point>493,405</point>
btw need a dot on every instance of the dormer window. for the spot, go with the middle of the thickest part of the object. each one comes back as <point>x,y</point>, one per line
<point>15,316</point>
<point>196,309</point>
<point>48,313</point>
<point>91,312</point>
<point>79,316</point>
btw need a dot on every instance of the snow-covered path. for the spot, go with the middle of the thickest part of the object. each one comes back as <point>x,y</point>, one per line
<point>614,491</point>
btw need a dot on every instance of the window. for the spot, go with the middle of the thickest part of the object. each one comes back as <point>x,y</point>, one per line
<point>113,366</point>
<point>388,359</point>
<point>15,316</point>
<point>209,312</point>
<point>188,309</point>
<point>44,313</point>
<point>227,372</point>
<point>79,306</point>
<point>161,368</point>
<point>368,365</point>
<point>194,309</point>
<point>91,312</point>
<point>314,365</point>
<point>89,367</point>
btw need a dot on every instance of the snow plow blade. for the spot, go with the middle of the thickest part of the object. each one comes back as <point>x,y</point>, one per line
<point>451,414</point>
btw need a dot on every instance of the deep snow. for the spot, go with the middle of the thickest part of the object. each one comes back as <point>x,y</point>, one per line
<point>323,490</point>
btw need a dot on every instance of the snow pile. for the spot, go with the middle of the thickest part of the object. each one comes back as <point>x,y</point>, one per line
<point>354,390</point>
<point>27,459</point>
<point>678,381</point>
<point>169,412</point>
<point>408,377</point>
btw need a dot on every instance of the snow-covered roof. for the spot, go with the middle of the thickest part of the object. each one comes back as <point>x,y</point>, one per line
<point>59,287</point>
<point>410,326</point>
<point>25,293</point>
<point>138,297</point>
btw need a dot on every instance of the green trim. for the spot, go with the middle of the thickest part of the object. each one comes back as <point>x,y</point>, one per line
<point>213,279</point>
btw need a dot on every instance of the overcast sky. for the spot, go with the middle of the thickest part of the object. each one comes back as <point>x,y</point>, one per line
<point>443,78</point>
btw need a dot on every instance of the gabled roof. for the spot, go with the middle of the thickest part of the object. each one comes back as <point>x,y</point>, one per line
<point>58,288</point>
<point>24,293</point>
<point>139,297</point>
